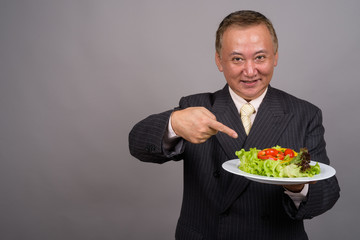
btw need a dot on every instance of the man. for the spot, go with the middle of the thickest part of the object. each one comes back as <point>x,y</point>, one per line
<point>206,130</point>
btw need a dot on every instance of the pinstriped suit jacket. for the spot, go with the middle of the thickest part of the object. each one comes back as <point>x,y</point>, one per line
<point>220,205</point>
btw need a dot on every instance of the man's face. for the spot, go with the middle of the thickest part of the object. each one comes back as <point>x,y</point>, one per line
<point>247,59</point>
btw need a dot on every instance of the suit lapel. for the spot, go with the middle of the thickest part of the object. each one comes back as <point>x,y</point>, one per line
<point>270,122</point>
<point>226,113</point>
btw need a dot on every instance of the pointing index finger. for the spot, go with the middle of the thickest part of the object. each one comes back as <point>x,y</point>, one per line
<point>218,126</point>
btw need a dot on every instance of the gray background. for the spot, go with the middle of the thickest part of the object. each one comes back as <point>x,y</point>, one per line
<point>75,76</point>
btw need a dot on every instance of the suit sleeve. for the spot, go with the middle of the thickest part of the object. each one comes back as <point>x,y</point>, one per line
<point>322,195</point>
<point>146,139</point>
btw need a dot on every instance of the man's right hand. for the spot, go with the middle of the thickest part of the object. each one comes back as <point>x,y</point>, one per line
<point>197,124</point>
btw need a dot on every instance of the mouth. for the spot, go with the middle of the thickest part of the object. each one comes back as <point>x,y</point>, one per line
<point>249,83</point>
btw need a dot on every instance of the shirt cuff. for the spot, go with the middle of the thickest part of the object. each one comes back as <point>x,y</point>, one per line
<point>171,142</point>
<point>171,133</point>
<point>298,197</point>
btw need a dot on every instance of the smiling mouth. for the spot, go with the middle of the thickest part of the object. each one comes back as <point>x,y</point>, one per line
<point>249,82</point>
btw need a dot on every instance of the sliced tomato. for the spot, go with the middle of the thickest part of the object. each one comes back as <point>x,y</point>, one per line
<point>274,154</point>
<point>280,155</point>
<point>271,152</point>
<point>289,152</point>
<point>262,155</point>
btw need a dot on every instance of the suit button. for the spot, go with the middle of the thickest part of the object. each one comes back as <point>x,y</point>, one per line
<point>216,174</point>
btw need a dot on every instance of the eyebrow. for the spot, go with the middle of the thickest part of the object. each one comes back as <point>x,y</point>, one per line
<point>237,53</point>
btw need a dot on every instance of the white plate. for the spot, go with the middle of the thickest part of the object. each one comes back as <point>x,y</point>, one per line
<point>326,171</point>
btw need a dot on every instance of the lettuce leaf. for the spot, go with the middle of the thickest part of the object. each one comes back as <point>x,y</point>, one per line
<point>287,168</point>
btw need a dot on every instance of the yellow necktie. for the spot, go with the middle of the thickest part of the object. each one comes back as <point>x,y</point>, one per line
<point>246,111</point>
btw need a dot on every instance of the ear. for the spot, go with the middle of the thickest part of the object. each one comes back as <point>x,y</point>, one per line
<point>218,61</point>
<point>276,59</point>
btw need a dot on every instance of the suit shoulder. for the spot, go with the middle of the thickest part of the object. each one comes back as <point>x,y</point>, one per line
<point>293,102</point>
<point>205,99</point>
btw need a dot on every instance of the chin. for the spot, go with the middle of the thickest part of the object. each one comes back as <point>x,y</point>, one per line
<point>251,96</point>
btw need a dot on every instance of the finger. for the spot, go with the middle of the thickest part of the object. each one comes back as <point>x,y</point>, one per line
<point>208,113</point>
<point>218,126</point>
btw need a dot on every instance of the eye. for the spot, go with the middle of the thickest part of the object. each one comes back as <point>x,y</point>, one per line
<point>260,58</point>
<point>237,59</point>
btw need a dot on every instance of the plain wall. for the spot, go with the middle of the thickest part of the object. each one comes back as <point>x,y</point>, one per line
<point>75,76</point>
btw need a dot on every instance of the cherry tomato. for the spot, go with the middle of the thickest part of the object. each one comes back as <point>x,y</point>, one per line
<point>271,152</point>
<point>262,155</point>
<point>280,155</point>
<point>289,152</point>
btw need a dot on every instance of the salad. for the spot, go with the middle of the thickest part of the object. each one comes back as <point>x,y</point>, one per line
<point>277,162</point>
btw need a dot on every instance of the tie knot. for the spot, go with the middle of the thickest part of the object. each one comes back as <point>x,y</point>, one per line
<point>247,109</point>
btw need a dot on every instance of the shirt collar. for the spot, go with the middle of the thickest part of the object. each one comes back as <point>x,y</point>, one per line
<point>239,101</point>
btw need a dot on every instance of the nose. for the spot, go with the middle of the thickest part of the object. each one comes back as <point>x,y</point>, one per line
<point>250,69</point>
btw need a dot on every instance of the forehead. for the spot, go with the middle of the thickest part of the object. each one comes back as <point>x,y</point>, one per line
<point>249,32</point>
<point>238,36</point>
